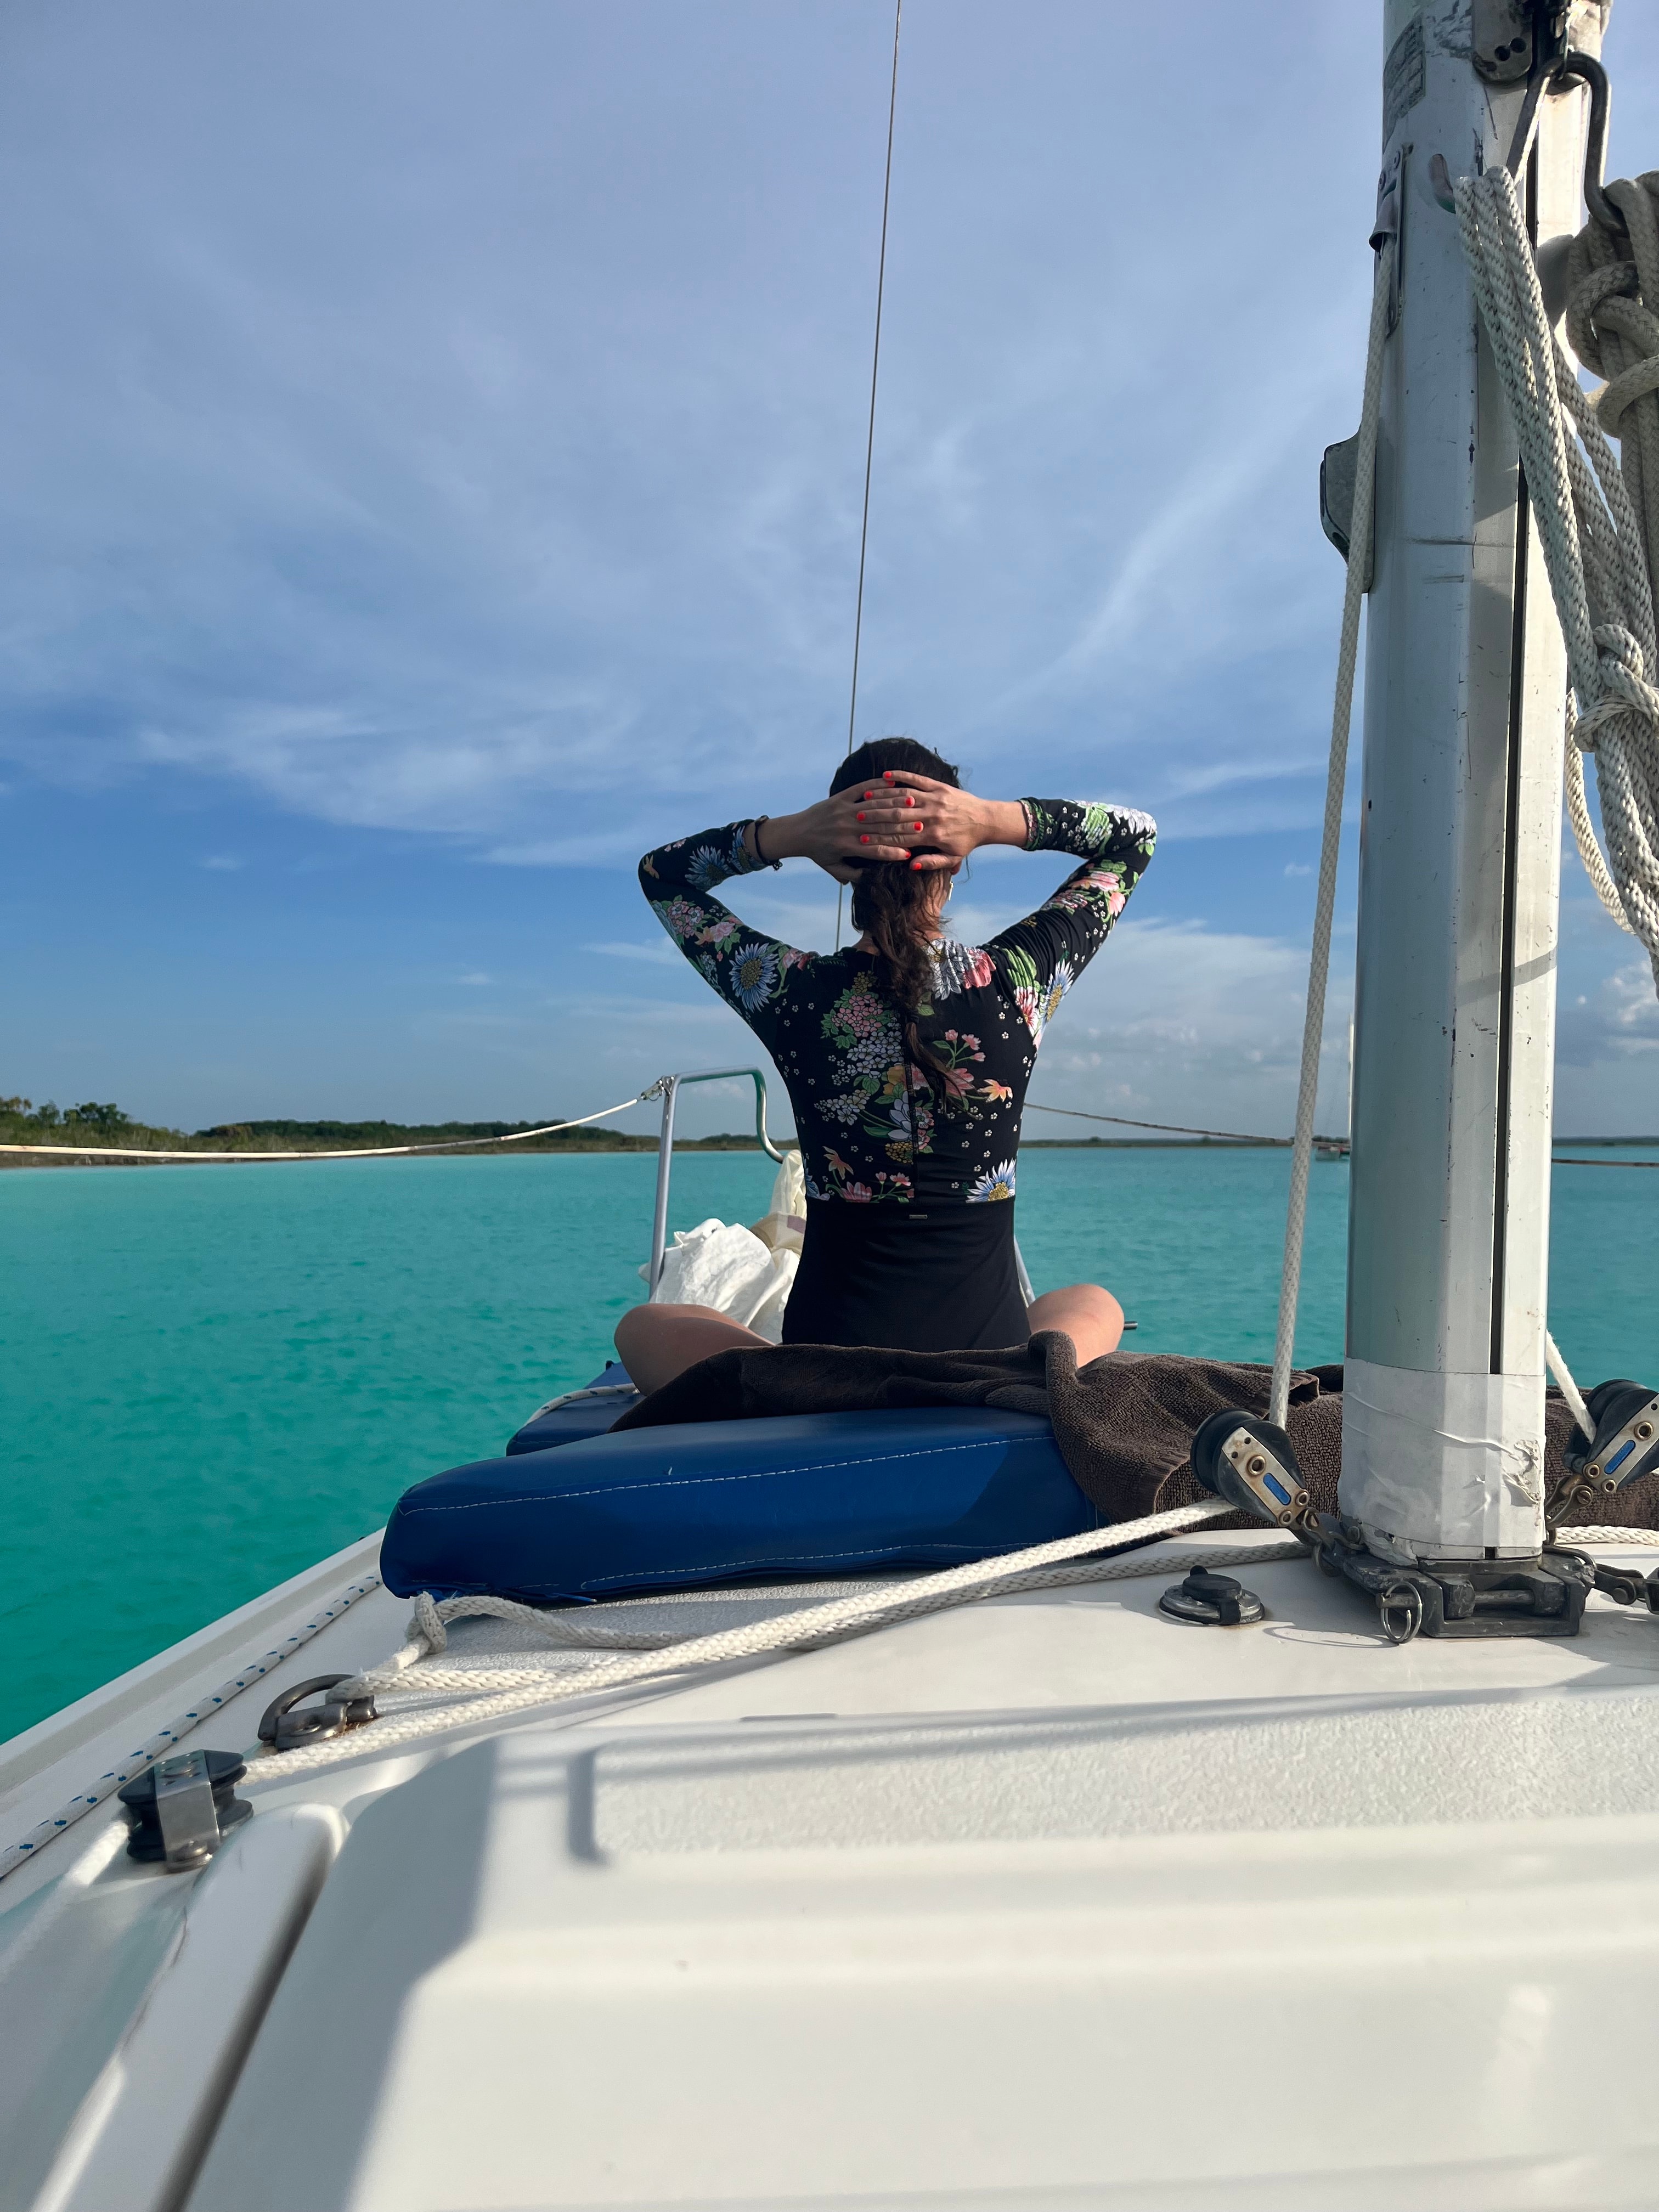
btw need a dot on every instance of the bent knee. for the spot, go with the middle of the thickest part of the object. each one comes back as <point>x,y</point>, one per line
<point>647,1320</point>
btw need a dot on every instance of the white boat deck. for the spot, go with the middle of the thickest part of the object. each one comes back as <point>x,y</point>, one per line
<point>1047,1900</point>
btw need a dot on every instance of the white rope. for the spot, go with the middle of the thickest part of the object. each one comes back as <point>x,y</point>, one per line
<point>1008,1574</point>
<point>1570,1390</point>
<point>593,1390</point>
<point>165,1739</point>
<point>899,1604</point>
<point>483,1694</point>
<point>360,1152</point>
<point>1598,524</point>
<point>1319,963</point>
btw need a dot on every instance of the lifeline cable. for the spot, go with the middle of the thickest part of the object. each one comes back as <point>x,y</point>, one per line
<point>1282,1144</point>
<point>870,434</point>
<point>360,1152</point>
<point>1172,1129</point>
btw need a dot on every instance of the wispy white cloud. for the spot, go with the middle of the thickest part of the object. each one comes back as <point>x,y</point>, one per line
<point>521,501</point>
<point>659,952</point>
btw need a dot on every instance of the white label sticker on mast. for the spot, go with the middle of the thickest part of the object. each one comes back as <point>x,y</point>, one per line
<point>1459,880</point>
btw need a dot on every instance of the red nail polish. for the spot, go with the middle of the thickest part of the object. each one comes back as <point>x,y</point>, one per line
<point>864,840</point>
<point>861,817</point>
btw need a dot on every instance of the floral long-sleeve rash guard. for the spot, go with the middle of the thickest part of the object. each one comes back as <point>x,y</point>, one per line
<point>876,1124</point>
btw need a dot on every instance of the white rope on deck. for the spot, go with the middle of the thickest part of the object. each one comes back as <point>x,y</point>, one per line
<point>356,1152</point>
<point>629,1659</point>
<point>1336,777</point>
<point>427,1635</point>
<point>1009,1574</point>
<point>166,1740</point>
<point>1598,524</point>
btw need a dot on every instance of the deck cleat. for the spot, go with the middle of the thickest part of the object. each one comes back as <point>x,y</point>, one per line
<point>1211,1601</point>
<point>1253,1465</point>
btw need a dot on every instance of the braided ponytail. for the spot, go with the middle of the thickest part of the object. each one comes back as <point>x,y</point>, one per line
<point>892,901</point>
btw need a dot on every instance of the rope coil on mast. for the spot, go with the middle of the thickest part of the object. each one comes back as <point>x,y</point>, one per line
<point>1598,522</point>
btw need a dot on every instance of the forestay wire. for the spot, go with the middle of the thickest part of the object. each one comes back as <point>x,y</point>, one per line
<point>870,433</point>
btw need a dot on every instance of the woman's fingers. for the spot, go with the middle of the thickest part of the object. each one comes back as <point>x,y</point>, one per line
<point>906,779</point>
<point>886,820</point>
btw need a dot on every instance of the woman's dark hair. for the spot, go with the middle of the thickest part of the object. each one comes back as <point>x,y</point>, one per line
<point>892,903</point>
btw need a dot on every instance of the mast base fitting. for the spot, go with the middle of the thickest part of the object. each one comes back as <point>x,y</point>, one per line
<point>1541,1596</point>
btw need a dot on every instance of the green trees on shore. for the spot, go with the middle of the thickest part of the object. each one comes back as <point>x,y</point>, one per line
<point>95,1126</point>
<point>107,1120</point>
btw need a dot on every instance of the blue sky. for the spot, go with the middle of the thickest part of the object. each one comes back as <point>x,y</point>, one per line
<point>433,440</point>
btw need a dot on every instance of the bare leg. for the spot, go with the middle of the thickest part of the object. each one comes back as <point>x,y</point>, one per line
<point>1091,1317</point>
<point>657,1343</point>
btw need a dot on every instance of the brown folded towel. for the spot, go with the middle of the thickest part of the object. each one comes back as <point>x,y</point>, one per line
<point>1123,1424</point>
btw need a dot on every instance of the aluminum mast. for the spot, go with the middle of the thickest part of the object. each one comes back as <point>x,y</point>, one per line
<point>1460,846</point>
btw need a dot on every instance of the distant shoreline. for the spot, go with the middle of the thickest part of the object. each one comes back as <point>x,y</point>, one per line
<point>209,1142</point>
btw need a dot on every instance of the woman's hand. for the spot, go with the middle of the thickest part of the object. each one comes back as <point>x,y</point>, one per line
<point>901,817</point>
<point>949,823</point>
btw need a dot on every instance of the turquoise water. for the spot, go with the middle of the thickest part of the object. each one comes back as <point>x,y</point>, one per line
<point>212,1377</point>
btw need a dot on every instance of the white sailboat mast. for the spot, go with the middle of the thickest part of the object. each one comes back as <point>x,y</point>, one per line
<point>1465,685</point>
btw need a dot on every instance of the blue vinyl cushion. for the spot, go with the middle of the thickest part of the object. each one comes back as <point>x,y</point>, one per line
<point>696,1503</point>
<point>584,1416</point>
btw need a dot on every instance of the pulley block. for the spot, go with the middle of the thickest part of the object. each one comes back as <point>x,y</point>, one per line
<point>181,1809</point>
<point>1626,1440</point>
<point>1253,1465</point>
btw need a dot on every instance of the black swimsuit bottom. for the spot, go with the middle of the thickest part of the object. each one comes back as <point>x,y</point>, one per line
<point>927,1279</point>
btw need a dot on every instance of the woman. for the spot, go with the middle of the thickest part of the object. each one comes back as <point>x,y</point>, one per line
<point>907,1057</point>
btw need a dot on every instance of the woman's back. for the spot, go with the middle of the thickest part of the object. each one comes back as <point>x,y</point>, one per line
<point>881,1119</point>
